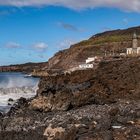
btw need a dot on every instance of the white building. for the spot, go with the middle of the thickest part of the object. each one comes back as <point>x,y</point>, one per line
<point>90,59</point>
<point>86,66</point>
<point>131,51</point>
<point>135,50</point>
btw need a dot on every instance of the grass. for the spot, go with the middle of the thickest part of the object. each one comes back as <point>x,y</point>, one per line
<point>107,39</point>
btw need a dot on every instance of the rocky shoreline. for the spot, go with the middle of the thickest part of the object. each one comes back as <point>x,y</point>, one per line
<point>99,104</point>
<point>91,122</point>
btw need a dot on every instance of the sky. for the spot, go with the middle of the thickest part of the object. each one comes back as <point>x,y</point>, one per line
<point>34,30</point>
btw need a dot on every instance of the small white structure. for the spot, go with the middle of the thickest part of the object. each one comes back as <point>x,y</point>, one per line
<point>86,66</point>
<point>90,59</point>
<point>122,54</point>
<point>135,50</point>
<point>129,51</point>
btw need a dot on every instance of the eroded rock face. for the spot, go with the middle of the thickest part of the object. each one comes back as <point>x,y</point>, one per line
<point>101,104</point>
<point>58,102</point>
<point>41,104</point>
<point>54,133</point>
<point>110,82</point>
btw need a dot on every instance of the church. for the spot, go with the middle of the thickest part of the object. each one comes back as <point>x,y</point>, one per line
<point>135,50</point>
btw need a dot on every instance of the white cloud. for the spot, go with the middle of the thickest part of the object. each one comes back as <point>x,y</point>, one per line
<point>41,46</point>
<point>128,5</point>
<point>13,45</point>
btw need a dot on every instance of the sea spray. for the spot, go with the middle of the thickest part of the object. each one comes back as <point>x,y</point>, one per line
<point>15,86</point>
<point>8,80</point>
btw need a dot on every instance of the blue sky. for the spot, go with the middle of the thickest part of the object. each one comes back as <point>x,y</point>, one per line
<point>34,33</point>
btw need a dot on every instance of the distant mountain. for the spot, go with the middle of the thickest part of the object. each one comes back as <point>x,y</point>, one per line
<point>27,67</point>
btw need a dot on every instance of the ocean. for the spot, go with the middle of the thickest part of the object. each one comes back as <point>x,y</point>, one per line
<point>15,85</point>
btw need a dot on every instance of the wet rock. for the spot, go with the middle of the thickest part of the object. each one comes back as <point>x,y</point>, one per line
<point>10,100</point>
<point>1,114</point>
<point>22,101</point>
<point>9,104</point>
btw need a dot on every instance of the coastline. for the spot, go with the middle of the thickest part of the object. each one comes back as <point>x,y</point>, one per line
<point>79,106</point>
<point>13,86</point>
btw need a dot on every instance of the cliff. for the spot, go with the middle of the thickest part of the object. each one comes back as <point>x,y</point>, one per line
<point>111,81</point>
<point>94,104</point>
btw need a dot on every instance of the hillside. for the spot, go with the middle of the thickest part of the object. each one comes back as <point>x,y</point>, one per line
<point>112,41</point>
<point>108,42</point>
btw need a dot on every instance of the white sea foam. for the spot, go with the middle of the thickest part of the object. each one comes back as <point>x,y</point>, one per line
<point>15,93</point>
<point>15,87</point>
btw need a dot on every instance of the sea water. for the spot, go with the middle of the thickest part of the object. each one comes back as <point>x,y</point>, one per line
<point>16,85</point>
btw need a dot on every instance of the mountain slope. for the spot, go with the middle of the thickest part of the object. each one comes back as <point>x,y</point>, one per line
<point>107,42</point>
<point>112,41</point>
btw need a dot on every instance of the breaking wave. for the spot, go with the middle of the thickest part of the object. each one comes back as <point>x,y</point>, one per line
<point>14,86</point>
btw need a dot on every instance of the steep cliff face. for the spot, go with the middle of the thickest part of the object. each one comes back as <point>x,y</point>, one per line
<point>114,80</point>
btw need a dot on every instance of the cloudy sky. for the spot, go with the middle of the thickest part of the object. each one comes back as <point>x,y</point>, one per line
<point>33,30</point>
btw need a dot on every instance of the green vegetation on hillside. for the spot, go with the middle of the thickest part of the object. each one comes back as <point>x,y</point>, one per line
<point>105,39</point>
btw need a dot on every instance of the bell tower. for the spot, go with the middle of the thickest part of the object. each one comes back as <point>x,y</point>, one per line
<point>135,41</point>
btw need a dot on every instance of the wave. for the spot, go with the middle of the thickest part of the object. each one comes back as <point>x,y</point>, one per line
<point>14,86</point>
<point>14,81</point>
<point>15,93</point>
<point>17,90</point>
